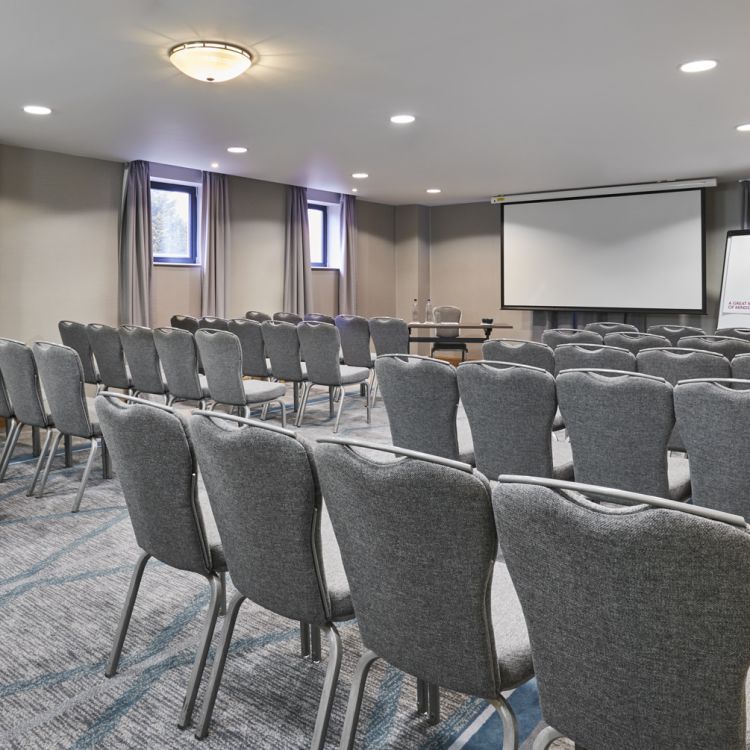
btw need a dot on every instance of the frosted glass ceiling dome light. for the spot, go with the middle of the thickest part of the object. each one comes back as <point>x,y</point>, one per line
<point>213,62</point>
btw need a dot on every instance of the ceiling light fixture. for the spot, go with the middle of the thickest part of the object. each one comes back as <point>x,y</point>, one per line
<point>213,62</point>
<point>744,128</point>
<point>355,190</point>
<point>402,119</point>
<point>434,191</point>
<point>698,66</point>
<point>36,109</point>
<point>237,150</point>
<point>214,164</point>
<point>360,175</point>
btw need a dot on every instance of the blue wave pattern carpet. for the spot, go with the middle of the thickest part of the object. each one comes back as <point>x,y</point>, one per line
<point>63,581</point>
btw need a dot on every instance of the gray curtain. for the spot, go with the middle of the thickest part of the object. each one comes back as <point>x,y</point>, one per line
<point>348,280</point>
<point>214,244</point>
<point>297,274</point>
<point>134,283</point>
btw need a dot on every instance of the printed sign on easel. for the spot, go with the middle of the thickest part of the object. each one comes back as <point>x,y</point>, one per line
<point>734,310</point>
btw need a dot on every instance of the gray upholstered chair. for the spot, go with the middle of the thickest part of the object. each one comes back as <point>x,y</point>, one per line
<point>143,360</point>
<point>221,353</point>
<point>511,409</point>
<point>216,324</point>
<point>737,333</point>
<point>636,342</point>
<point>320,318</point>
<point>354,332</point>
<point>604,327</point>
<point>419,546</point>
<point>448,314</point>
<point>282,347</point>
<point>626,606</point>
<point>675,333</point>
<point>619,426</point>
<point>154,460</point>
<point>255,364</point>
<point>553,337</point>
<point>258,317</point>
<point>600,356</point>
<point>726,345</point>
<point>520,352</point>
<point>75,335</point>
<point>61,374</point>
<point>389,335</point>
<point>184,322</point>
<point>261,480</point>
<point>320,346</point>
<point>714,419</point>
<point>287,317</point>
<point>421,399</point>
<point>179,359</point>
<point>740,370</point>
<point>110,358</point>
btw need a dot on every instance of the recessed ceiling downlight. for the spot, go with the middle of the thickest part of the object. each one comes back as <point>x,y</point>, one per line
<point>402,119</point>
<point>213,62</point>
<point>237,150</point>
<point>360,175</point>
<point>434,191</point>
<point>214,165</point>
<point>744,128</point>
<point>698,66</point>
<point>37,109</point>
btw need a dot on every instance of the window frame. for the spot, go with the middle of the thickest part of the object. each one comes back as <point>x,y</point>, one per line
<point>192,192</point>
<point>324,210</point>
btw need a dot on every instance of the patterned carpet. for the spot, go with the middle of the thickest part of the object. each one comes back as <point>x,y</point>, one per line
<point>62,584</point>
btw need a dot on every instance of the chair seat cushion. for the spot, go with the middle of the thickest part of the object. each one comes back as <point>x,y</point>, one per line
<point>562,460</point>
<point>679,478</point>
<point>333,569</point>
<point>353,374</point>
<point>257,391</point>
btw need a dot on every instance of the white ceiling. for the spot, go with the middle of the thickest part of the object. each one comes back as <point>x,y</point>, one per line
<point>509,96</point>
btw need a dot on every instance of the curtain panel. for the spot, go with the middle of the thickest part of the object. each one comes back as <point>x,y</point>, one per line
<point>214,244</point>
<point>297,274</point>
<point>348,280</point>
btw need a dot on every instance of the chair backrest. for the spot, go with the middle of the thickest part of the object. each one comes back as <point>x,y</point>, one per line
<point>418,543</point>
<point>740,369</point>
<point>725,345</point>
<point>447,314</point>
<point>642,576</point>
<point>75,335</point>
<point>619,427</point>
<point>389,335</point>
<point>713,420</point>
<point>61,373</point>
<point>217,324</point>
<point>636,342</point>
<point>354,332</point>
<point>221,354</point>
<point>604,327</point>
<point>574,356</point>
<point>553,337</point>
<point>6,410</point>
<point>320,345</point>
<point>675,333</point>
<point>287,317</point>
<point>263,487</point>
<point>253,351</point>
<point>510,410</point>
<point>179,358</point>
<point>421,400</point>
<point>184,322</point>
<point>22,386</point>
<point>320,318</point>
<point>259,317</point>
<point>521,352</point>
<point>110,358</point>
<point>678,363</point>
<point>152,454</point>
<point>737,333</point>
<point>143,359</point>
<point>282,346</point>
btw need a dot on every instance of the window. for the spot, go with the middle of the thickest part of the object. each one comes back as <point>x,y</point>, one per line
<point>317,218</point>
<point>174,223</point>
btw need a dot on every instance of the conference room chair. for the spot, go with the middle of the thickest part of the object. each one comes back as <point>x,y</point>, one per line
<point>72,413</point>
<point>258,317</point>
<point>354,332</point>
<point>619,426</point>
<point>143,360</point>
<point>553,337</point>
<point>740,370</point>
<point>675,333</point>
<point>713,419</point>
<point>221,353</point>
<point>178,355</point>
<point>287,317</point>
<point>604,327</point>
<point>110,358</point>
<point>255,364</point>
<point>319,318</point>
<point>599,356</point>
<point>421,400</point>
<point>320,345</point>
<point>448,314</point>
<point>283,349</point>
<point>511,408</point>
<point>520,352</point>
<point>184,323</point>
<point>737,333</point>
<point>419,546</point>
<point>625,606</point>
<point>154,460</point>
<point>726,345</point>
<point>75,335</point>
<point>216,324</point>
<point>636,342</point>
<point>260,480</point>
<point>389,335</point>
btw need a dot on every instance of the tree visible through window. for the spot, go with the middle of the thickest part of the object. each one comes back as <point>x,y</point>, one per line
<point>174,213</point>
<point>317,218</point>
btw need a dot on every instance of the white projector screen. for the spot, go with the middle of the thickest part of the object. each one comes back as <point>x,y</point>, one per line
<point>641,252</point>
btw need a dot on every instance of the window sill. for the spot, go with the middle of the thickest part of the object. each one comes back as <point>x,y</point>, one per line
<point>324,268</point>
<point>176,265</point>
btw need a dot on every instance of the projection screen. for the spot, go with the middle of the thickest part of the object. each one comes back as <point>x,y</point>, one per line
<point>639,252</point>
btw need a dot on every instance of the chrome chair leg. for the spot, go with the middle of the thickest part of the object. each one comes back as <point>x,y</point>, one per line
<point>35,441</point>
<point>50,459</point>
<point>106,461</point>
<point>373,387</point>
<point>433,704</point>
<point>127,611</point>
<point>329,687</point>
<point>200,657</point>
<point>295,392</point>
<point>338,414</point>
<point>315,650</point>
<point>304,639</point>
<point>283,412</point>
<point>367,403</point>
<point>217,669</point>
<point>331,398</point>
<point>68,443</point>
<point>356,694</point>
<point>303,403</point>
<point>10,446</point>
<point>264,412</point>
<point>545,738</point>
<point>510,728</point>
<point>40,461</point>
<point>223,600</point>
<point>421,696</point>
<point>85,478</point>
